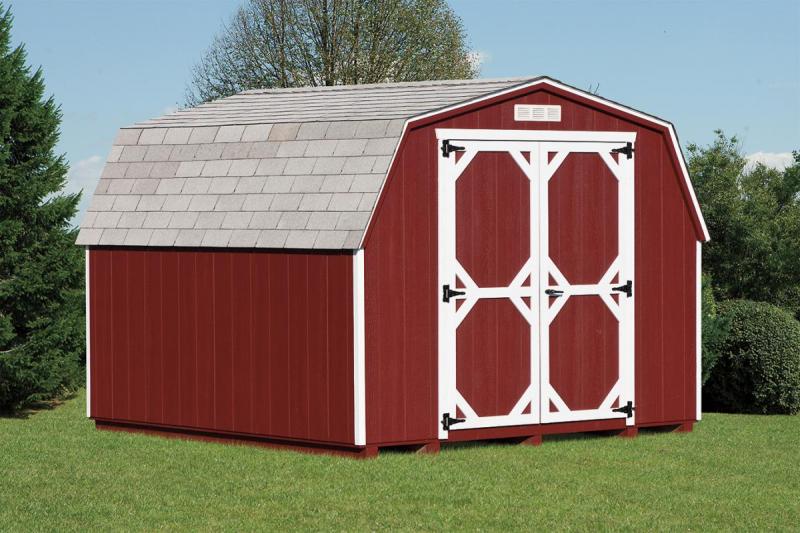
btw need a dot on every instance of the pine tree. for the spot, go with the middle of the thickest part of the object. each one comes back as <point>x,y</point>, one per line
<point>41,271</point>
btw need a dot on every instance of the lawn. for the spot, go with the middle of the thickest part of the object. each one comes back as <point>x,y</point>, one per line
<point>734,472</point>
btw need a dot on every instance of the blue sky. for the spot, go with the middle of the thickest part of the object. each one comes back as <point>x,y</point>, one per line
<point>733,65</point>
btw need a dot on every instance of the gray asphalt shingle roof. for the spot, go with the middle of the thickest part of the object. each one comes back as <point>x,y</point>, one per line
<point>278,168</point>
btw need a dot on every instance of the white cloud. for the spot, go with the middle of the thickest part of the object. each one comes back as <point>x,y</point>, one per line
<point>84,175</point>
<point>478,58</point>
<point>776,160</point>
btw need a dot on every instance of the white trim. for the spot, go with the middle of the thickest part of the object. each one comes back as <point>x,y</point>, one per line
<point>496,139</point>
<point>359,377</point>
<point>88,340</point>
<point>698,334</point>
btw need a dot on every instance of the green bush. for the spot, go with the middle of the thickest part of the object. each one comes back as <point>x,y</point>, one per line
<point>715,328</point>
<point>758,370</point>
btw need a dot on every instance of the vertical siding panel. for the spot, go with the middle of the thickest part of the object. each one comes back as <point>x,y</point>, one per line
<point>153,337</point>
<point>223,323</point>
<point>340,347</point>
<point>204,316</point>
<point>279,345</point>
<point>298,347</point>
<point>101,329</point>
<point>319,362</point>
<point>119,332</point>
<point>136,353</point>
<point>689,319</point>
<point>172,357</point>
<point>187,333</point>
<point>261,324</point>
<point>241,359</point>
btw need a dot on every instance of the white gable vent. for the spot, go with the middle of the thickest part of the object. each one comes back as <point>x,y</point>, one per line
<point>537,113</point>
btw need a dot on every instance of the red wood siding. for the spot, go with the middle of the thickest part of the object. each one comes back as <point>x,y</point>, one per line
<point>401,270</point>
<point>256,343</point>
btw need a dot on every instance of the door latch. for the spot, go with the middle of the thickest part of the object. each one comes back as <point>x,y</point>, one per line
<point>448,293</point>
<point>448,421</point>
<point>447,148</point>
<point>627,288</point>
<point>554,293</point>
<point>628,409</point>
<point>627,150</point>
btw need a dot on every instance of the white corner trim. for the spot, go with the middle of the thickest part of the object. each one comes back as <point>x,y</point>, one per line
<point>698,337</point>
<point>359,378</point>
<point>88,340</point>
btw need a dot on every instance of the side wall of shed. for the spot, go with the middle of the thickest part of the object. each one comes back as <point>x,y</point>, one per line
<point>245,342</point>
<point>402,293</point>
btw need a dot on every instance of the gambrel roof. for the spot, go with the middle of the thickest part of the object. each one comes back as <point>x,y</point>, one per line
<point>277,168</point>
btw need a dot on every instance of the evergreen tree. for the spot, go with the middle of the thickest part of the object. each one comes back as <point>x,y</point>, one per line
<point>41,270</point>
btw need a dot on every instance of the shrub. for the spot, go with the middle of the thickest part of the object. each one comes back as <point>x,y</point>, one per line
<point>758,370</point>
<point>715,328</point>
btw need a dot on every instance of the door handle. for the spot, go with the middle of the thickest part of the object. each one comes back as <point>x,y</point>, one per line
<point>554,293</point>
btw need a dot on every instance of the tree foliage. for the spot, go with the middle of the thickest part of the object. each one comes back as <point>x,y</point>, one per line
<point>753,216</point>
<point>294,43</point>
<point>41,272</point>
<point>715,328</point>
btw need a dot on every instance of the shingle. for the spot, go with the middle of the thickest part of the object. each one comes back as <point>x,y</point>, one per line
<point>114,170</point>
<point>283,132</point>
<point>132,153</point>
<point>122,186</point>
<point>216,237</point>
<point>223,185</point>
<point>261,150</point>
<point>126,202</point>
<point>395,127</point>
<point>272,238</point>
<point>382,164</point>
<point>131,219</point>
<point>257,202</point>
<point>299,165</point>
<point>236,150</point>
<point>177,135</point>
<point>341,130</point>
<point>327,165</point>
<point>367,183</point>
<point>138,237</point>
<point>113,155</point>
<point>190,237</point>
<point>344,201</point>
<point>243,167</point>
<point>353,240</point>
<point>353,221</point>
<point>88,219</point>
<point>113,236</point>
<point>307,183</point>
<point>87,237</point>
<point>314,202</point>
<point>330,240</point>
<point>107,219</point>
<point>369,129</point>
<point>151,202</point>
<point>264,220</point>
<point>206,152</point>
<point>196,186</point>
<point>240,220</point>
<point>323,220</point>
<point>164,170</point>
<point>139,170</point>
<point>320,148</point>
<point>271,167</point>
<point>286,202</point>
<point>384,146</point>
<point>367,201</point>
<point>163,237</point>
<point>157,219</point>
<point>177,202</point>
<point>250,184</point>
<point>203,134</point>
<point>347,147</point>
<point>158,152</point>
<point>278,184</point>
<point>152,136</point>
<point>256,132</point>
<point>145,186</point>
<point>292,148</point>
<point>190,169</point>
<point>230,202</point>
<point>202,202</point>
<point>229,134</point>
<point>359,165</point>
<point>170,186</point>
<point>102,202</point>
<point>243,238</point>
<point>183,219</point>
<point>301,239</point>
<point>337,183</point>
<point>184,153</point>
<point>127,136</point>
<point>293,220</point>
<point>209,220</point>
<point>313,130</point>
<point>102,186</point>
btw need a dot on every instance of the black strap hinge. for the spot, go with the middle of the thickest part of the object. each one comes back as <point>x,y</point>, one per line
<point>628,409</point>
<point>627,288</point>
<point>627,150</point>
<point>448,293</point>
<point>448,421</point>
<point>447,148</point>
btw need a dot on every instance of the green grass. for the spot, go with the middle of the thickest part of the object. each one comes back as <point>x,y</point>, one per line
<point>734,472</point>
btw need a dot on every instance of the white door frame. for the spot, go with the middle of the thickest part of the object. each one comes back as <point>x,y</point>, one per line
<point>538,144</point>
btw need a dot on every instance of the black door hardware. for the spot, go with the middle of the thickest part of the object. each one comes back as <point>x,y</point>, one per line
<point>555,293</point>
<point>448,421</point>
<point>628,409</point>
<point>627,150</point>
<point>627,288</point>
<point>448,293</point>
<point>447,148</point>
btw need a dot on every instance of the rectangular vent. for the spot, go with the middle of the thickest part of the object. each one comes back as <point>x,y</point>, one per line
<point>537,113</point>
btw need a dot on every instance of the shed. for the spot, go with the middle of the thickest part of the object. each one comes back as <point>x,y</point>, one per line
<point>406,264</point>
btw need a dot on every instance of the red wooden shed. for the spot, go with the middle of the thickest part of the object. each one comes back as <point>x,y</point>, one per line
<point>356,267</point>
